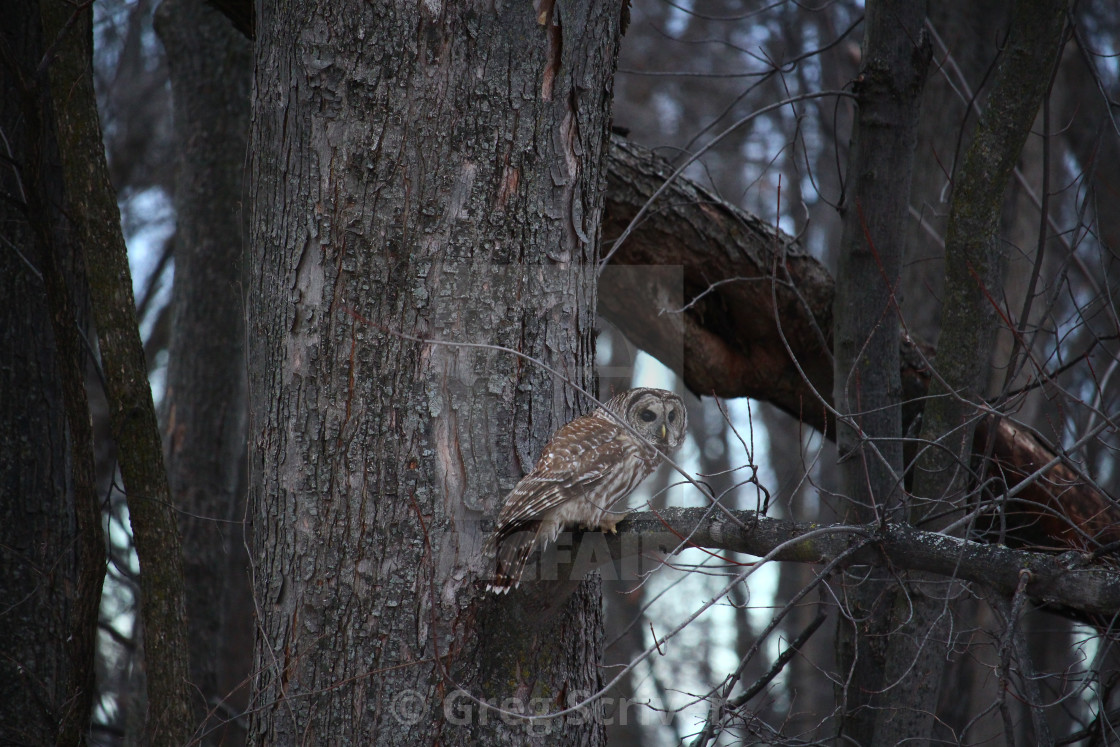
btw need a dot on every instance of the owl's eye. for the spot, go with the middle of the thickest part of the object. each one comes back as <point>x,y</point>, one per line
<point>647,416</point>
<point>672,416</point>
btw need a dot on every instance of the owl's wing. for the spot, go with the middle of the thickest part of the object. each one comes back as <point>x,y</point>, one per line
<point>565,471</point>
<point>538,495</point>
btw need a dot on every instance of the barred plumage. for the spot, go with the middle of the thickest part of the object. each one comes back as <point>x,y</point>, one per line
<point>588,466</point>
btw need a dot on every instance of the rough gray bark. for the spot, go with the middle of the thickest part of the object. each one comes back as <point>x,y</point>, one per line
<point>92,206</point>
<point>51,545</point>
<point>433,170</point>
<point>867,388</point>
<point>206,416</point>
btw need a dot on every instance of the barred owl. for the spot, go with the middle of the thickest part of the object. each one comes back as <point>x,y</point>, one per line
<point>588,466</point>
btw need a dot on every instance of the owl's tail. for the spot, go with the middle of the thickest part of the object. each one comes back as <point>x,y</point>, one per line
<point>511,549</point>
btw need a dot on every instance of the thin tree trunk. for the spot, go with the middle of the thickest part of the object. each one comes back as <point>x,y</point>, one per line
<point>867,385</point>
<point>92,206</point>
<point>975,260</point>
<point>974,257</point>
<point>433,171</point>
<point>810,704</point>
<point>206,400</point>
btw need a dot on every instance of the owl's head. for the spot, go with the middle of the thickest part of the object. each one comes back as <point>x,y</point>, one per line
<point>658,415</point>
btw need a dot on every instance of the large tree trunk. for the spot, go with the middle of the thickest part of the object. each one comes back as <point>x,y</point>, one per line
<point>434,171</point>
<point>206,409</point>
<point>51,546</point>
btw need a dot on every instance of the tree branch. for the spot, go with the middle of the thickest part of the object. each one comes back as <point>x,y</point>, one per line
<point>1060,580</point>
<point>767,334</point>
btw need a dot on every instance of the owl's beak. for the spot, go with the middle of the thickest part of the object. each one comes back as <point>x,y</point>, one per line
<point>664,433</point>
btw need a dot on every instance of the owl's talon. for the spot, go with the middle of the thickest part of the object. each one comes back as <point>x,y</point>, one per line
<point>609,526</point>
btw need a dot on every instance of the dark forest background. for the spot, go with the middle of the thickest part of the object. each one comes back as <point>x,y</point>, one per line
<point>880,266</point>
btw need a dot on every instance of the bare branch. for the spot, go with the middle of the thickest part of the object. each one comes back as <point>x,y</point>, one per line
<point>1061,580</point>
